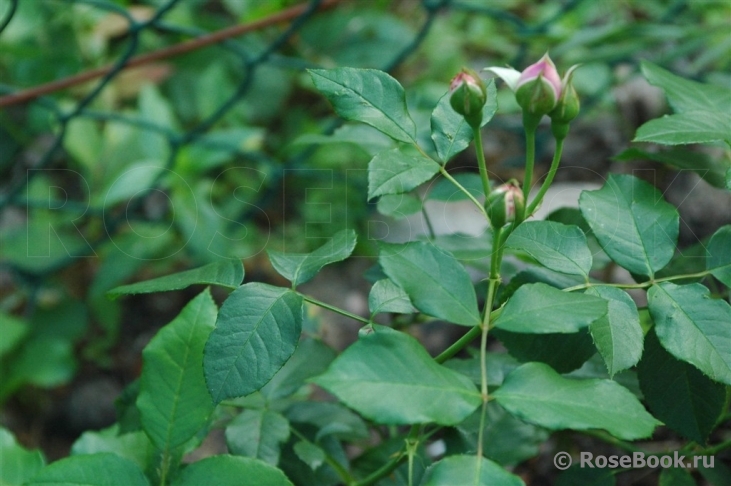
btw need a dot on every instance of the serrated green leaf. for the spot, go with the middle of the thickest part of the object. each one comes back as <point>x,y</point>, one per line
<point>449,130</point>
<point>557,246</point>
<point>680,395</point>
<point>686,128</point>
<point>537,394</point>
<point>618,335</point>
<point>634,225</point>
<point>369,96</point>
<point>386,296</point>
<point>17,464</point>
<point>676,477</point>
<point>539,308</point>
<point>174,403</point>
<point>686,95</point>
<point>257,331</point>
<point>434,280</point>
<point>257,434</point>
<point>562,352</point>
<point>226,470</point>
<point>469,470</point>
<point>135,446</point>
<point>693,327</point>
<point>311,358</point>
<point>718,259</point>
<point>226,273</point>
<point>299,268</point>
<point>411,388</point>
<point>103,469</point>
<point>397,171</point>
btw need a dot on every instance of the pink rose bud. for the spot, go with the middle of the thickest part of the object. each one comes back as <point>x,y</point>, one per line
<point>504,204</point>
<point>539,87</point>
<point>468,96</point>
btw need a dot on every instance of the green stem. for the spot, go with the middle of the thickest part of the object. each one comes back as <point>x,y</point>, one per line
<point>642,285</point>
<point>164,467</point>
<point>548,180</point>
<point>429,227</point>
<point>459,186</point>
<point>481,161</point>
<point>337,310</point>
<point>387,468</point>
<point>710,451</point>
<point>530,156</point>
<point>485,328</point>
<point>459,344</point>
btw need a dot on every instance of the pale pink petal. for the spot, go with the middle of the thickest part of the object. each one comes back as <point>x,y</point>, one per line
<point>509,75</point>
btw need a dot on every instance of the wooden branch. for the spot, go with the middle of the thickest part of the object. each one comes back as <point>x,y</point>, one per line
<point>164,53</point>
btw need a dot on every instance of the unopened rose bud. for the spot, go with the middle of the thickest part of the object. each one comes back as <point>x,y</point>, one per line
<point>566,109</point>
<point>468,96</point>
<point>504,204</point>
<point>539,87</point>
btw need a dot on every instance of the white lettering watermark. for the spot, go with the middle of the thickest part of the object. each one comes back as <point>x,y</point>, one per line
<point>563,460</point>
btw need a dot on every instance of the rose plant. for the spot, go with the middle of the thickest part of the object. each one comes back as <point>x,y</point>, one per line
<point>581,356</point>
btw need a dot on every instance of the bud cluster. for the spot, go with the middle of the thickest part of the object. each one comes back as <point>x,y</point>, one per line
<point>539,90</point>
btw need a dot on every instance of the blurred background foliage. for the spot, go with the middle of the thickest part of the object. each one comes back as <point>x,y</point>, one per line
<point>227,150</point>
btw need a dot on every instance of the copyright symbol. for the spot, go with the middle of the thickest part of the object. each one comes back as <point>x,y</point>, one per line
<point>562,461</point>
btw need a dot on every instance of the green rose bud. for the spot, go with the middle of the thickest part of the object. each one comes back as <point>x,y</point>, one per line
<point>468,96</point>
<point>566,109</point>
<point>504,204</point>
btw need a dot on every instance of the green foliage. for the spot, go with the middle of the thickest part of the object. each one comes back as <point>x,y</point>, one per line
<point>434,280</point>
<point>256,333</point>
<point>221,147</point>
<point>634,225</point>
<point>368,96</point>
<point>701,116</point>
<point>227,274</point>
<point>299,269</point>
<point>537,394</point>
<point>173,401</point>
<point>17,464</point>
<point>411,387</point>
